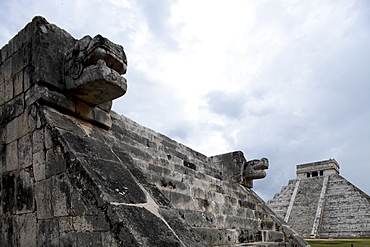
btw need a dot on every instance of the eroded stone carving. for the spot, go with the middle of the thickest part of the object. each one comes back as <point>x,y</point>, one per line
<point>254,169</point>
<point>239,170</point>
<point>94,68</point>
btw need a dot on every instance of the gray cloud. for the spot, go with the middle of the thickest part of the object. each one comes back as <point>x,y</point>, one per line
<point>157,14</point>
<point>230,104</point>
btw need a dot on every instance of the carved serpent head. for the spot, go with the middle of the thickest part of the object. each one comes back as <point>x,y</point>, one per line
<point>93,70</point>
<point>254,169</point>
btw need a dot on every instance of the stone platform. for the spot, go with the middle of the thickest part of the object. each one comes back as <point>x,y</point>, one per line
<point>74,173</point>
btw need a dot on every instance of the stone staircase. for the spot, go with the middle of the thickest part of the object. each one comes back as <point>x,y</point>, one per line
<point>223,213</point>
<point>346,210</point>
<point>281,200</point>
<point>305,205</point>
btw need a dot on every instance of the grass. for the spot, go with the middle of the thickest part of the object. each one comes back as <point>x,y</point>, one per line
<point>339,242</point>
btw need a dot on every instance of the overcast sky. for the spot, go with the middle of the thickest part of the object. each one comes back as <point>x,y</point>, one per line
<point>287,80</point>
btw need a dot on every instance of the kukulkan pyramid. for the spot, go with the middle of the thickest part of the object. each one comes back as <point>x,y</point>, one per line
<point>74,173</point>
<point>320,203</point>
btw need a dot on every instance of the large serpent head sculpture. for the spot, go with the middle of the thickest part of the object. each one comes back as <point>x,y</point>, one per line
<point>254,169</point>
<point>94,68</point>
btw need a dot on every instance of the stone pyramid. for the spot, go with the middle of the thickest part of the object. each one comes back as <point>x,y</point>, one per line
<point>320,203</point>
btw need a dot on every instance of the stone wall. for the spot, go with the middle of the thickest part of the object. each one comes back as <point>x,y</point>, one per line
<point>74,173</point>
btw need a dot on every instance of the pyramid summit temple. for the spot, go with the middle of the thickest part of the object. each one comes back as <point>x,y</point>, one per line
<point>320,203</point>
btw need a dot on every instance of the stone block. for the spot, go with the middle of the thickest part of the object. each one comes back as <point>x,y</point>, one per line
<point>38,140</point>
<point>203,205</point>
<point>48,138</point>
<point>17,62</point>
<point>88,239</point>
<point>55,162</point>
<point>9,90</point>
<point>90,223</point>
<point>102,117</point>
<point>232,222</point>
<point>11,157</point>
<point>197,192</point>
<point>39,168</point>
<point>199,219</point>
<point>214,196</point>
<point>10,234</point>
<point>61,192</point>
<point>250,236</point>
<point>68,239</point>
<point>56,99</point>
<point>24,192</point>
<point>43,196</point>
<point>108,240</point>
<point>26,79</point>
<point>267,225</point>
<point>26,55</point>
<point>48,233</point>
<point>25,151</point>
<point>16,128</point>
<point>215,237</point>
<point>12,109</point>
<point>7,68</point>
<point>173,185</point>
<point>5,52</point>
<point>8,198</point>
<point>83,223</point>
<point>273,236</point>
<point>11,47</point>
<point>18,83</point>
<point>133,151</point>
<point>65,224</point>
<point>27,230</point>
<point>31,119</point>
<point>2,158</point>
<point>2,93</point>
<point>180,200</point>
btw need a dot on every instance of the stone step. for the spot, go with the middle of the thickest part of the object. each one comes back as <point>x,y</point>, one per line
<point>184,201</point>
<point>268,244</point>
<point>229,237</point>
<point>280,203</point>
<point>305,205</point>
<point>211,220</point>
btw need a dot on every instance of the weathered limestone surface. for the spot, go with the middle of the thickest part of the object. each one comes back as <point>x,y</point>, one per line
<point>343,210</point>
<point>74,173</point>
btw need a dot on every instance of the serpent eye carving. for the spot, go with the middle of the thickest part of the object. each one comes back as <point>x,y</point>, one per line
<point>76,70</point>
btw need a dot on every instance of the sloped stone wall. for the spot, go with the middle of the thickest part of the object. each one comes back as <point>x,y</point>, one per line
<point>73,173</point>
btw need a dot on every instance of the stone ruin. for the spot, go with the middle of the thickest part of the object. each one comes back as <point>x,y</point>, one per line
<point>75,173</point>
<point>320,203</point>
